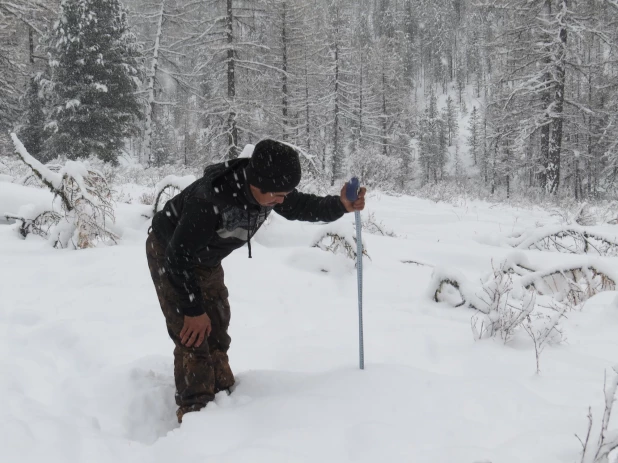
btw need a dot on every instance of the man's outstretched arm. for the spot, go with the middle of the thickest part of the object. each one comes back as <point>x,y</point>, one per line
<point>312,208</point>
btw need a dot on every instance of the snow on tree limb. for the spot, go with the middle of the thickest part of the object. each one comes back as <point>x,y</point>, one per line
<point>338,238</point>
<point>173,180</point>
<point>168,187</point>
<point>39,225</point>
<point>443,278</point>
<point>86,203</point>
<point>506,299</point>
<point>49,178</point>
<point>570,239</point>
<point>576,282</point>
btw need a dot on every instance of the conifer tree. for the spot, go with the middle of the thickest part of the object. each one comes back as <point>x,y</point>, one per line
<point>474,140</point>
<point>95,65</point>
<point>433,153</point>
<point>163,144</point>
<point>31,129</point>
<point>450,119</point>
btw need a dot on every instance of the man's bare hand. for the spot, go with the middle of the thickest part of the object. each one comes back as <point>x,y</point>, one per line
<point>357,205</point>
<point>195,330</point>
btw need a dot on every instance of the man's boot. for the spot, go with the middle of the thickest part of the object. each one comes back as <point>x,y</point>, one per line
<point>224,378</point>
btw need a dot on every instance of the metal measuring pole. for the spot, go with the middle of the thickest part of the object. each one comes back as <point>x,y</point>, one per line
<point>351,193</point>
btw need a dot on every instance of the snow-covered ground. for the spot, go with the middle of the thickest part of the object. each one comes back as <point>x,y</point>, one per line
<point>86,363</point>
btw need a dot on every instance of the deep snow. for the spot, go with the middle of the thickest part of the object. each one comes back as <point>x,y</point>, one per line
<point>86,370</point>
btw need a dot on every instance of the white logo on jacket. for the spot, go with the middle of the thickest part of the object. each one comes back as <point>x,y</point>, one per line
<point>236,222</point>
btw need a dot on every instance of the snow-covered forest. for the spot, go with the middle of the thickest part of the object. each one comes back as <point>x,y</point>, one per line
<point>503,97</point>
<point>486,133</point>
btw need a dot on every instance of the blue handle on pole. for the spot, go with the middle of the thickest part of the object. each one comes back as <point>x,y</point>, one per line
<point>351,189</point>
<point>351,194</point>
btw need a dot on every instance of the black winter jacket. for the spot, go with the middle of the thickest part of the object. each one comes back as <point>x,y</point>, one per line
<point>216,215</point>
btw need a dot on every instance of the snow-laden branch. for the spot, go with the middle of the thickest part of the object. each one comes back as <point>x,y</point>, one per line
<point>168,187</point>
<point>503,298</point>
<point>574,282</point>
<point>87,208</point>
<point>446,284</point>
<point>568,239</point>
<point>338,238</point>
<point>50,179</point>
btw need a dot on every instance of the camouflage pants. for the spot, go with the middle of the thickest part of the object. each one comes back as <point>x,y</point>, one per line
<point>199,372</point>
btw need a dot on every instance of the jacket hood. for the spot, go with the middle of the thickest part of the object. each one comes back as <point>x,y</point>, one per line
<point>226,184</point>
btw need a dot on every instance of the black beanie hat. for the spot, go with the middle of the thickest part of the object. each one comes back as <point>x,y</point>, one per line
<point>274,167</point>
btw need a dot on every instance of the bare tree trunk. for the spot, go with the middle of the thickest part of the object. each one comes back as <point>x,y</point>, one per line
<point>151,88</point>
<point>577,180</point>
<point>186,136</point>
<point>485,154</point>
<point>384,120</point>
<point>307,113</point>
<point>232,134</point>
<point>31,44</point>
<point>336,160</point>
<point>493,168</point>
<point>508,186</point>
<point>284,67</point>
<point>555,141</point>
<point>360,99</point>
<point>336,155</point>
<point>324,157</point>
<point>546,99</point>
<point>590,140</point>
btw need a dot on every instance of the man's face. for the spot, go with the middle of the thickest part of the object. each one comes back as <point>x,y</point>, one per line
<point>268,199</point>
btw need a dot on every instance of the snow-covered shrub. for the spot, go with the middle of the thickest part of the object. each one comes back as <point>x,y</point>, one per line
<point>337,244</point>
<point>511,309</point>
<point>585,216</point>
<point>503,302</point>
<point>503,312</point>
<point>580,214</point>
<point>83,199</point>
<point>545,329</point>
<point>449,291</point>
<point>11,166</point>
<point>147,198</point>
<point>456,192</point>
<point>371,225</point>
<point>375,170</point>
<point>482,298</point>
<point>39,225</point>
<point>447,192</point>
<point>151,176</point>
<point>573,283</point>
<point>609,212</point>
<point>453,287</point>
<point>338,239</point>
<point>568,239</point>
<point>597,450</point>
<point>110,172</point>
